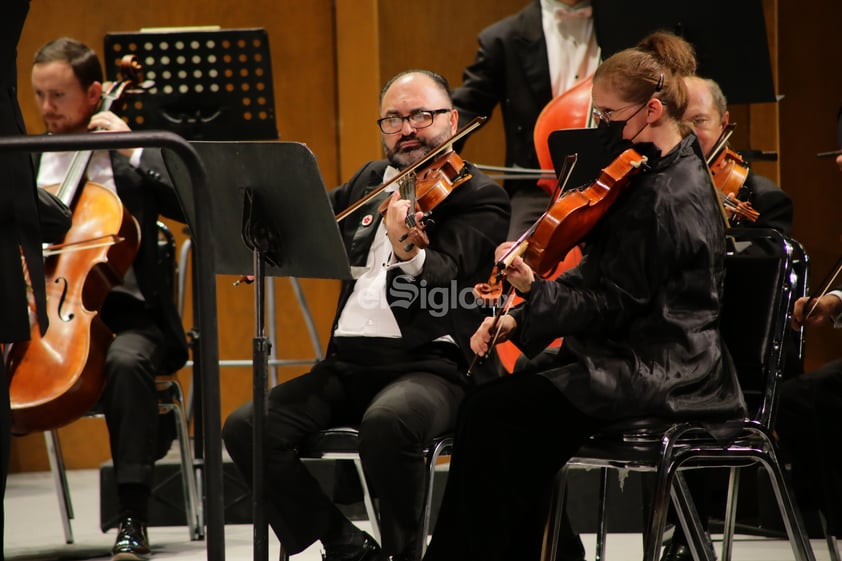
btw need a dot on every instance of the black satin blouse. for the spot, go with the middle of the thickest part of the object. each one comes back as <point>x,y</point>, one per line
<point>639,314</point>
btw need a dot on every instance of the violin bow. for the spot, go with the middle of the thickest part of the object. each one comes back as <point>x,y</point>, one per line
<point>828,282</point>
<point>515,251</point>
<point>464,131</point>
<point>721,142</point>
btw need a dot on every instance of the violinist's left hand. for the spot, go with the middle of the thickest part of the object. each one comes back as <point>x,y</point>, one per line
<point>396,228</point>
<point>106,121</point>
<point>839,161</point>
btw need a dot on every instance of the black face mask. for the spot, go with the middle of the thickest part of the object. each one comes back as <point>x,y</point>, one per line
<point>611,134</point>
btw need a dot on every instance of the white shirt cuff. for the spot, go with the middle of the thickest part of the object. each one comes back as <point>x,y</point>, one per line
<point>837,321</point>
<point>134,161</point>
<point>412,267</point>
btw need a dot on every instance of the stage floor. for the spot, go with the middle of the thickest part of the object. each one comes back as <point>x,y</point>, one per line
<point>33,531</point>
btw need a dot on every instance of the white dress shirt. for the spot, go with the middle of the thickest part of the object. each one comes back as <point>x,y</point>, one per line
<point>572,51</point>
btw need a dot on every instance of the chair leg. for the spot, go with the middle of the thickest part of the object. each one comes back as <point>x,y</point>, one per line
<point>697,538</point>
<point>369,503</point>
<point>433,455</point>
<point>553,525</point>
<point>60,479</point>
<point>193,510</point>
<point>798,540</point>
<point>730,514</point>
<point>832,547</point>
<point>602,525</point>
<point>657,518</point>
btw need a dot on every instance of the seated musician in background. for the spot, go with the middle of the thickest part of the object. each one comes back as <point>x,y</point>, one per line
<point>522,63</point>
<point>707,112</point>
<point>67,81</point>
<point>638,315</point>
<point>399,349</point>
<point>27,217</point>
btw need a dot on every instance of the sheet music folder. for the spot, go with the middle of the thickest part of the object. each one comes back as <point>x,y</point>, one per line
<point>291,210</point>
<point>588,146</point>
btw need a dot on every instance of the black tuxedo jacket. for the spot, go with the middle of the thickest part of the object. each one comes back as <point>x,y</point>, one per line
<point>511,68</point>
<point>469,224</point>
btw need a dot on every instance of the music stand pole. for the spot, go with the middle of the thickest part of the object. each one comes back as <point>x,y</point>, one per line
<point>260,365</point>
<point>288,230</point>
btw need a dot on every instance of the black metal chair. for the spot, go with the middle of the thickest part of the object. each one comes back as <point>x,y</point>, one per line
<point>760,287</point>
<point>342,443</point>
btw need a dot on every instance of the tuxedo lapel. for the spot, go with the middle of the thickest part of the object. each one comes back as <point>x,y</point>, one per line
<point>364,222</point>
<point>531,50</point>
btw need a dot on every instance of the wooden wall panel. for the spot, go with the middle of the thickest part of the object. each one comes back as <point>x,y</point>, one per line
<point>439,36</point>
<point>811,83</point>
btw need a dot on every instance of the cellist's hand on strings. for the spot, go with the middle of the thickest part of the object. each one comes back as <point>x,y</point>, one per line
<point>482,338</point>
<point>812,311</point>
<point>106,121</point>
<point>518,273</point>
<point>396,228</point>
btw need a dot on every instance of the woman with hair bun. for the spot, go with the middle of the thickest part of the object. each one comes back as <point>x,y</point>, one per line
<point>640,310</point>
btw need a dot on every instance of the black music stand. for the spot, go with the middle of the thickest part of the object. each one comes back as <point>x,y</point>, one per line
<point>208,84</point>
<point>729,37</point>
<point>591,156</point>
<point>273,194</point>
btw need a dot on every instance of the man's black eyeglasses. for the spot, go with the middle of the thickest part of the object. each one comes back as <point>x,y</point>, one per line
<point>422,119</point>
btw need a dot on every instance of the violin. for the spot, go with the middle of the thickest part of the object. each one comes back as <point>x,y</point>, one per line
<point>57,378</point>
<point>729,171</point>
<point>566,223</point>
<point>425,191</point>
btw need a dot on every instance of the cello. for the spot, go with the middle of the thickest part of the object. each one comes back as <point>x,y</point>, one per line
<point>570,110</point>
<point>57,378</point>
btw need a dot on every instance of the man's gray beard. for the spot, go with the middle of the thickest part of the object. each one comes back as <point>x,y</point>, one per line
<point>405,159</point>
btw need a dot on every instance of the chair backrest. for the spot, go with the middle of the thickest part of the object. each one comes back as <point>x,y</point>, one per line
<point>760,289</point>
<point>167,258</point>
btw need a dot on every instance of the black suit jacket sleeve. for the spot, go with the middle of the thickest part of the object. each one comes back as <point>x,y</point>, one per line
<point>54,217</point>
<point>510,69</point>
<point>771,202</point>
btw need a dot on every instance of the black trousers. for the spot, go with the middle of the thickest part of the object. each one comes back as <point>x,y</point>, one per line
<point>130,400</point>
<point>809,424</point>
<point>399,402</point>
<point>512,437</point>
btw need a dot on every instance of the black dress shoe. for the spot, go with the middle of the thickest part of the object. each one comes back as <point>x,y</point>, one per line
<point>368,550</point>
<point>677,552</point>
<point>132,543</point>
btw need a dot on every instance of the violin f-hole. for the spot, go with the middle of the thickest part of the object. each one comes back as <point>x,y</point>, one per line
<point>62,299</point>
